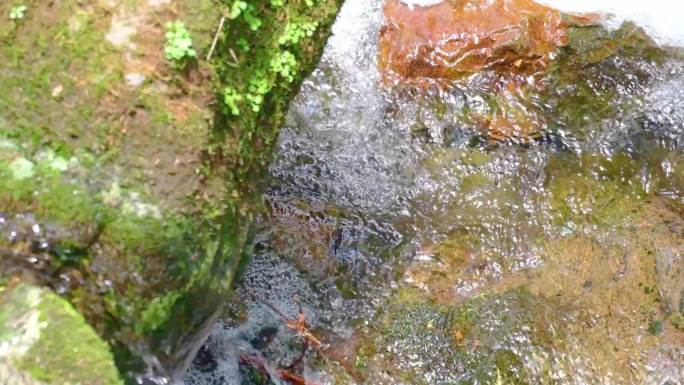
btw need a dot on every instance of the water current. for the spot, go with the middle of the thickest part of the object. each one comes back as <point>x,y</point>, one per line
<point>419,252</point>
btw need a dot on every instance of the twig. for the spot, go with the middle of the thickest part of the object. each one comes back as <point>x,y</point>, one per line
<point>299,359</point>
<point>295,379</point>
<point>216,36</point>
<point>300,325</point>
<point>284,374</point>
<point>233,55</point>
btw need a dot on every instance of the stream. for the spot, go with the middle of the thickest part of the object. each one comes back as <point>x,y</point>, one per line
<point>418,252</point>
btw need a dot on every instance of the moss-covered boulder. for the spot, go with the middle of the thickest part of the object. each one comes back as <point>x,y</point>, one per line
<point>134,136</point>
<point>44,340</point>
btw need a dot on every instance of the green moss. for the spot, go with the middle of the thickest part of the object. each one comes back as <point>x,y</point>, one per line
<point>285,48</point>
<point>170,261</point>
<point>46,194</point>
<point>38,57</point>
<point>65,350</point>
<point>443,335</point>
<point>581,86</point>
<point>156,313</point>
<point>593,189</point>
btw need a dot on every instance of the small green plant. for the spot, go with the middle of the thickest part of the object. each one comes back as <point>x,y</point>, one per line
<point>284,64</point>
<point>253,21</point>
<point>243,44</point>
<point>277,3</point>
<point>230,99</point>
<point>178,49</point>
<point>236,9</point>
<point>247,11</point>
<point>258,87</point>
<point>18,12</point>
<point>294,32</point>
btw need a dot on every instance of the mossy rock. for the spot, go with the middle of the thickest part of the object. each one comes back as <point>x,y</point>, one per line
<point>529,327</point>
<point>598,74</point>
<point>44,340</point>
<point>142,183</point>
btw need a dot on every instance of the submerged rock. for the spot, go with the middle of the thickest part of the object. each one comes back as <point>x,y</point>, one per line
<point>600,305</point>
<point>456,38</point>
<point>524,69</point>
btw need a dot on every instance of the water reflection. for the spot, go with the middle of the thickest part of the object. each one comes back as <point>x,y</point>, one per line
<point>420,252</point>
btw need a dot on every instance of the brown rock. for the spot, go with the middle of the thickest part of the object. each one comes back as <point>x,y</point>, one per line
<point>443,42</point>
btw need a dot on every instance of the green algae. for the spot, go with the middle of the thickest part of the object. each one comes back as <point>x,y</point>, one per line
<point>467,340</point>
<point>532,326</point>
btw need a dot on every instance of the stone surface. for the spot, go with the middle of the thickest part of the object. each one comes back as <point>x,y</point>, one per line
<point>44,340</point>
<point>592,310</point>
<point>524,69</point>
<point>456,38</point>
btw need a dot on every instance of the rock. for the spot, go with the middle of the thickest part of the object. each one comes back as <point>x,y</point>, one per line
<point>456,38</point>
<point>149,187</point>
<point>665,221</point>
<point>590,311</point>
<point>536,68</point>
<point>593,306</point>
<point>134,79</point>
<point>44,341</point>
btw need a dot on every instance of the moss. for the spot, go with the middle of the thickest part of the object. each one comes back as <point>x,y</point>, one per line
<point>594,189</point>
<point>276,61</point>
<point>64,349</point>
<point>51,43</point>
<point>46,194</point>
<point>173,199</point>
<point>156,312</point>
<point>677,320</point>
<point>584,81</point>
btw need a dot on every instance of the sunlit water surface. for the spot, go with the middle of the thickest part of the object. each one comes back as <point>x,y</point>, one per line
<point>366,182</point>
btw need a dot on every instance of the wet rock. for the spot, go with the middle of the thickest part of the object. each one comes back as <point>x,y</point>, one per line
<point>43,340</point>
<point>665,219</point>
<point>590,308</point>
<point>525,70</point>
<point>508,337</point>
<point>665,113</point>
<point>456,38</point>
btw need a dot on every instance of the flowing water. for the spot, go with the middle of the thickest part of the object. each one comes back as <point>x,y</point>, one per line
<point>420,253</point>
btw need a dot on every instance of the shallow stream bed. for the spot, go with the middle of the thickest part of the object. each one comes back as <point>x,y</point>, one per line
<point>419,252</point>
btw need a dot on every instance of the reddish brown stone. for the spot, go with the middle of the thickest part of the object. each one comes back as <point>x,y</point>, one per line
<point>443,42</point>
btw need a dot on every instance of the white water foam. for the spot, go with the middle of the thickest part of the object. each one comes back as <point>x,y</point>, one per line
<point>662,18</point>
